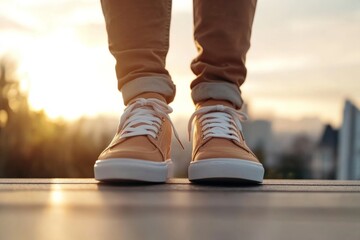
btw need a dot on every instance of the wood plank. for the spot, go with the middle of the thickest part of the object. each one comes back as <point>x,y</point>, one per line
<point>83,209</point>
<point>184,185</point>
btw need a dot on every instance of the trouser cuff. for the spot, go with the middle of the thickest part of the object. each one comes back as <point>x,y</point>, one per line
<point>154,84</point>
<point>219,91</point>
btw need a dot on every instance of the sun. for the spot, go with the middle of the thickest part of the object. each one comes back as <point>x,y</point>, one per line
<point>66,78</point>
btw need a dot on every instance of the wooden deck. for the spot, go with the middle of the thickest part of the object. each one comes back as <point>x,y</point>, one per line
<point>45,209</point>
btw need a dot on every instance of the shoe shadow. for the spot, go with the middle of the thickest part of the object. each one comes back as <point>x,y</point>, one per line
<point>125,183</point>
<point>226,182</point>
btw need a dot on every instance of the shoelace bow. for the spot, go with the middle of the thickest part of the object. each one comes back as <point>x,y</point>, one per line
<point>218,121</point>
<point>144,117</point>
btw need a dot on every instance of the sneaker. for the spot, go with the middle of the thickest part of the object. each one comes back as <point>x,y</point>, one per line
<point>219,149</point>
<point>140,150</point>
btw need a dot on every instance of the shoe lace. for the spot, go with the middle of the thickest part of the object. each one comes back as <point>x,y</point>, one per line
<point>218,121</point>
<point>144,117</point>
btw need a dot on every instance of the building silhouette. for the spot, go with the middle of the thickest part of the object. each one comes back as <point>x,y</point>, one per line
<point>348,167</point>
<point>326,155</point>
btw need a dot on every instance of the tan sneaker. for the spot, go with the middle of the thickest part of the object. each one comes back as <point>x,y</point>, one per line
<point>140,150</point>
<point>219,149</point>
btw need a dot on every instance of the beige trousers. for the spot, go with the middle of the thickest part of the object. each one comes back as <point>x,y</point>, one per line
<point>138,34</point>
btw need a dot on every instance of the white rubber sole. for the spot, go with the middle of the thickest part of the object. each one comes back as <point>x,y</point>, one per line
<point>226,169</point>
<point>132,170</point>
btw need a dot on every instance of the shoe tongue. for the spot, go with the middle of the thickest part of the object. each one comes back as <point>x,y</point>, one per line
<point>149,95</point>
<point>213,102</point>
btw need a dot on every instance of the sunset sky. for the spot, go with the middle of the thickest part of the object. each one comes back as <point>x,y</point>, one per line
<point>304,60</point>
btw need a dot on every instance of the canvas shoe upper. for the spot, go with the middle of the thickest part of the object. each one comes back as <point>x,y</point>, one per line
<point>219,147</point>
<point>140,149</point>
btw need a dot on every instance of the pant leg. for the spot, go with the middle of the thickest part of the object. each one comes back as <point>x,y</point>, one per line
<point>222,31</point>
<point>138,36</point>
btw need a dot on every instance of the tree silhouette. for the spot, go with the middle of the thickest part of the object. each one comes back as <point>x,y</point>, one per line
<point>31,145</point>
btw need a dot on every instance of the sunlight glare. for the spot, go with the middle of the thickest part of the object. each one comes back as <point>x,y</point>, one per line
<point>65,80</point>
<point>56,195</point>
